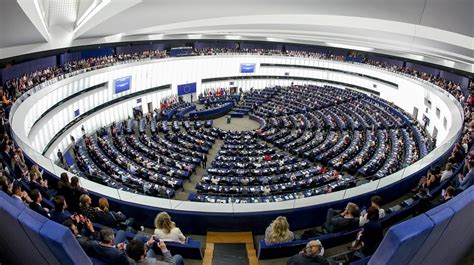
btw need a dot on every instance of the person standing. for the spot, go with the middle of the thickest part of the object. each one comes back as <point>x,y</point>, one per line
<point>204,160</point>
<point>60,156</point>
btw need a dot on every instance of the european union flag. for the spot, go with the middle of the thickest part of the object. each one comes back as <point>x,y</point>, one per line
<point>186,89</point>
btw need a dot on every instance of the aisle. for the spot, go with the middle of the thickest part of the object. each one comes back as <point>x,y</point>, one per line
<point>230,248</point>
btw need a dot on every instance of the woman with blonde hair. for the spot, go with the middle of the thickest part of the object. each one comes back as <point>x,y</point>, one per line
<point>278,231</point>
<point>167,230</point>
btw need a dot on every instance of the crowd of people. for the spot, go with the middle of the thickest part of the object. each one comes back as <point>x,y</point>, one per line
<point>68,203</point>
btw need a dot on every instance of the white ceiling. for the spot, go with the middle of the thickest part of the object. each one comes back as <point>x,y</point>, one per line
<point>438,31</point>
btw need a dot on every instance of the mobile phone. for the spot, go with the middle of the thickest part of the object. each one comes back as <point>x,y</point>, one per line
<point>443,192</point>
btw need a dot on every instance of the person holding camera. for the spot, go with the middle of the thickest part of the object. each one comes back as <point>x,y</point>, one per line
<point>139,252</point>
<point>311,254</point>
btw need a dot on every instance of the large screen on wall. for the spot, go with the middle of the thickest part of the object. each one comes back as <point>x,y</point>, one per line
<point>122,84</point>
<point>247,67</point>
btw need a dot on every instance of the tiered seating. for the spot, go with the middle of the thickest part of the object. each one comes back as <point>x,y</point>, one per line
<point>413,241</point>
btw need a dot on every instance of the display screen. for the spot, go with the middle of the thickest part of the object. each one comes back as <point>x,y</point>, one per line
<point>247,68</point>
<point>122,84</point>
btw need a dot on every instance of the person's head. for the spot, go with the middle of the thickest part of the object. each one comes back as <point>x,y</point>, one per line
<point>104,204</point>
<point>376,201</point>
<point>36,196</point>
<point>85,200</point>
<point>313,248</point>
<point>75,181</point>
<point>107,236</point>
<point>69,223</point>
<point>373,213</point>
<point>16,190</point>
<point>352,209</point>
<point>449,192</point>
<point>471,164</point>
<point>6,185</point>
<point>280,228</point>
<point>59,203</point>
<point>136,250</point>
<point>163,222</point>
<point>64,177</point>
<point>449,166</point>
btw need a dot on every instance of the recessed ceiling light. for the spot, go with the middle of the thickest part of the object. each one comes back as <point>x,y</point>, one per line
<point>233,37</point>
<point>194,36</point>
<point>350,47</point>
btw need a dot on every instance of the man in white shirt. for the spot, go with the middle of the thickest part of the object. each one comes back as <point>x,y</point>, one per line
<point>375,202</point>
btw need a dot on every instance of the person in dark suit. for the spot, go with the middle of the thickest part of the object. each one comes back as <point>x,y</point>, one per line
<point>338,220</point>
<point>20,196</point>
<point>369,237</point>
<point>311,254</point>
<point>110,218</point>
<point>64,187</point>
<point>105,250</point>
<point>58,214</point>
<point>60,156</point>
<point>35,205</point>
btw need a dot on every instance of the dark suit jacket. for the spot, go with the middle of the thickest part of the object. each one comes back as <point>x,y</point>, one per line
<point>372,236</point>
<point>108,255</point>
<point>38,208</point>
<point>59,217</point>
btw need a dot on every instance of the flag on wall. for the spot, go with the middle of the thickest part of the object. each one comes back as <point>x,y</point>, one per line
<point>186,89</point>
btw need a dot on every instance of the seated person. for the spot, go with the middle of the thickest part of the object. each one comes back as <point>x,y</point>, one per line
<point>105,250</point>
<point>426,201</point>
<point>369,238</point>
<point>58,214</point>
<point>137,252</point>
<point>19,195</point>
<point>36,206</point>
<point>166,229</point>
<point>311,254</point>
<point>447,173</point>
<point>7,186</point>
<point>338,220</point>
<point>375,202</point>
<point>109,218</point>
<point>430,180</point>
<point>278,231</point>
<point>468,180</point>
<point>85,207</point>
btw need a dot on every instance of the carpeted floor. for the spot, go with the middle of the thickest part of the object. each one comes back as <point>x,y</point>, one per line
<point>236,124</point>
<point>230,254</point>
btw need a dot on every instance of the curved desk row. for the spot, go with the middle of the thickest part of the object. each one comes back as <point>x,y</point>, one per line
<point>212,113</point>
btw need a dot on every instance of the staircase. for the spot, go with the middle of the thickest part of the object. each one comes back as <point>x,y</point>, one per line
<point>234,238</point>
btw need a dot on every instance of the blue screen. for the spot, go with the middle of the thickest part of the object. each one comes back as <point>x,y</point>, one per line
<point>247,67</point>
<point>122,84</point>
<point>186,89</point>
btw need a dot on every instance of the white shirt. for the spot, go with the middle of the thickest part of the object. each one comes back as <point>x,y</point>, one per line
<point>363,219</point>
<point>446,174</point>
<point>174,235</point>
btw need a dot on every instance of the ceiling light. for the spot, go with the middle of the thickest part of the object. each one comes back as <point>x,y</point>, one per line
<point>449,63</point>
<point>274,39</point>
<point>233,37</point>
<point>155,36</point>
<point>350,47</point>
<point>90,13</point>
<point>41,15</point>
<point>194,36</point>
